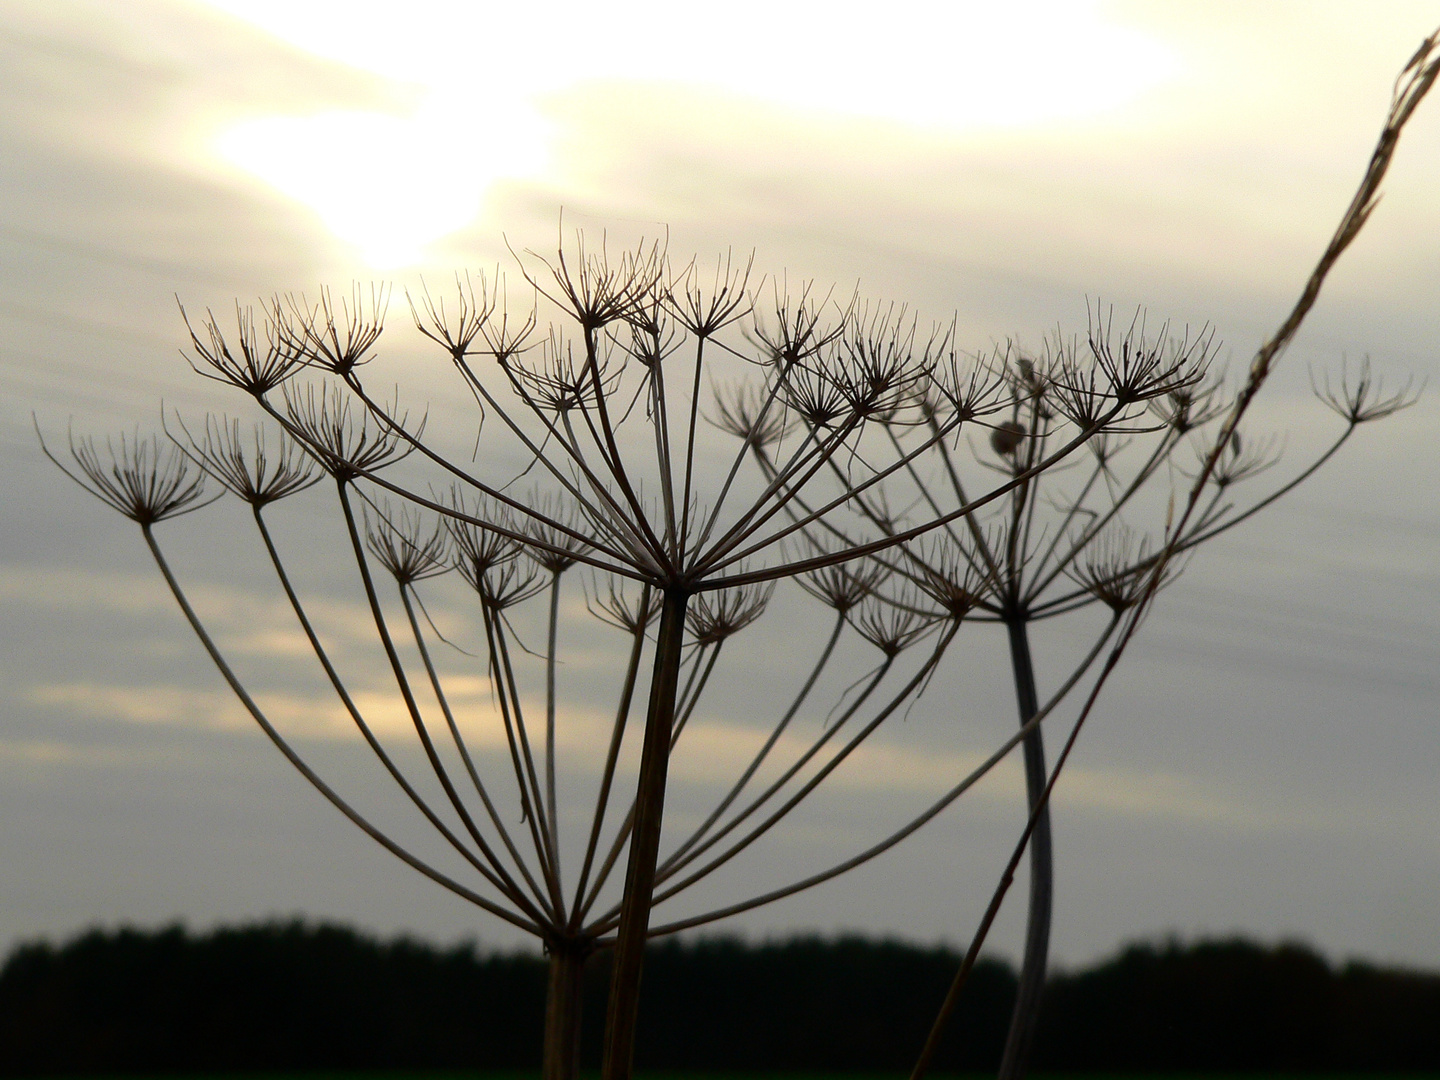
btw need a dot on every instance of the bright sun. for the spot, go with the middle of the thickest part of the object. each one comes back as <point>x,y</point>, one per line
<point>388,185</point>
<point>391,184</point>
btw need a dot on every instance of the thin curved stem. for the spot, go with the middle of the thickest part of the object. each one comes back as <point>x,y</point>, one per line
<point>903,833</point>
<point>759,830</point>
<point>764,750</point>
<point>291,756</point>
<point>376,747</point>
<point>464,751</point>
<point>612,755</point>
<point>505,695</point>
<point>398,670</point>
<point>676,863</point>
<point>548,856</point>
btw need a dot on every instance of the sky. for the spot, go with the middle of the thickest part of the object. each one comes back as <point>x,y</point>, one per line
<point>1262,763</point>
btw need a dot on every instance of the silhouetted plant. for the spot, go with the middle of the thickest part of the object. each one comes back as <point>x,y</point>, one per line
<point>1117,572</point>
<point>839,404</point>
<point>604,409</point>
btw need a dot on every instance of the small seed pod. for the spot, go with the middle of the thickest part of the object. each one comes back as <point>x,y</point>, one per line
<point>1005,438</point>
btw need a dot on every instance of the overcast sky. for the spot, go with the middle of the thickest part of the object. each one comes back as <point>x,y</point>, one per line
<point>1265,760</point>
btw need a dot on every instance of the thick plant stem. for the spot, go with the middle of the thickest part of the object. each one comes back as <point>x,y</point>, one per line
<point>563,1008</point>
<point>624,1006</point>
<point>1021,1037</point>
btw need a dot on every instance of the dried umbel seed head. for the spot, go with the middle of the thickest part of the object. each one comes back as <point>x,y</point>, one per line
<point>507,584</point>
<point>613,606</point>
<point>345,443</point>
<point>891,625</point>
<point>405,546</point>
<point>144,479</point>
<point>454,330</point>
<point>243,359</point>
<point>951,578</point>
<point>749,414</point>
<point>1006,437</point>
<point>259,470</point>
<point>1363,398</point>
<point>798,332</point>
<point>714,616</point>
<point>335,335</point>
<point>841,586</point>
<point>556,527</point>
<point>705,312</point>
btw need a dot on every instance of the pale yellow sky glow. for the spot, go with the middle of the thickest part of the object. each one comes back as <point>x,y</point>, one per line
<point>479,88</point>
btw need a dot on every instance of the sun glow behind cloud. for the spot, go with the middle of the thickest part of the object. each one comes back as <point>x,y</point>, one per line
<point>390,183</point>
<point>386,184</point>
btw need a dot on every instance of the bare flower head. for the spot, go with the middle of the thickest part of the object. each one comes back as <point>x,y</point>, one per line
<point>506,584</point>
<point>1116,568</point>
<point>1360,397</point>
<point>750,414</point>
<point>1242,459</point>
<point>705,312</point>
<point>891,625</point>
<point>506,337</point>
<point>1139,366</point>
<point>346,442</point>
<point>557,528</point>
<point>1193,405</point>
<point>147,480</point>
<point>614,605</point>
<point>557,380</point>
<point>455,330</point>
<point>1106,446</point>
<point>715,616</point>
<point>881,370</point>
<point>843,585</point>
<point>336,335</point>
<point>598,289</point>
<point>261,469</point>
<point>243,359</point>
<point>967,387</point>
<point>652,338</point>
<point>404,544</point>
<point>952,578</point>
<point>798,332</point>
<point>816,391</point>
<point>476,548</point>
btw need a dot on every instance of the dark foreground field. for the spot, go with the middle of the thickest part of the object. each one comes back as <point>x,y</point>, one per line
<point>324,1001</point>
<point>647,1075</point>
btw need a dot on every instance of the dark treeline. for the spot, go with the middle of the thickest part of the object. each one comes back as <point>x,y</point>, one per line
<point>293,997</point>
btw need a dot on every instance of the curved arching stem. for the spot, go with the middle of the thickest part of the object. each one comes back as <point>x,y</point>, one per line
<point>612,755</point>
<point>624,1005</point>
<point>291,756</point>
<point>1021,1036</point>
<point>402,681</point>
<point>365,731</point>
<point>764,751</point>
<point>444,702</point>
<point>552,812</point>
